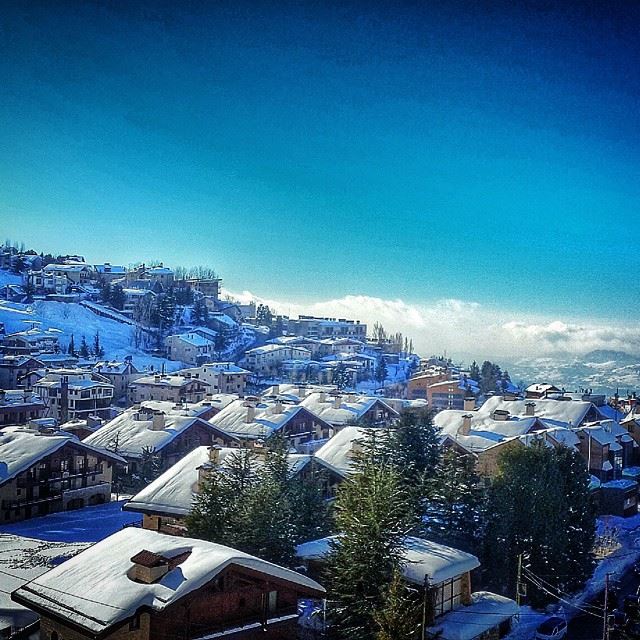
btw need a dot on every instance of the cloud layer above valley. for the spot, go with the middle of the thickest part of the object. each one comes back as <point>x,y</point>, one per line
<point>463,328</point>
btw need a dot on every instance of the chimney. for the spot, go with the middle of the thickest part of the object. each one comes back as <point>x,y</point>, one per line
<point>337,401</point>
<point>323,396</point>
<point>214,453</point>
<point>302,392</point>
<point>500,415</point>
<point>530,409</point>
<point>469,403</point>
<point>276,390</point>
<point>148,567</point>
<point>465,429</point>
<point>94,421</point>
<point>278,407</point>
<point>157,421</point>
<point>251,412</point>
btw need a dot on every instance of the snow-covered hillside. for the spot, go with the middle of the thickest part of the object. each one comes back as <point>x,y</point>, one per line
<point>117,338</point>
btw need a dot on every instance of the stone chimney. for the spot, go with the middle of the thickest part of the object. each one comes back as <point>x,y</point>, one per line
<point>276,390</point>
<point>500,415</point>
<point>530,409</point>
<point>157,421</point>
<point>251,412</point>
<point>214,453</point>
<point>337,401</point>
<point>323,396</point>
<point>465,429</point>
<point>469,403</point>
<point>278,407</point>
<point>302,392</point>
<point>148,567</point>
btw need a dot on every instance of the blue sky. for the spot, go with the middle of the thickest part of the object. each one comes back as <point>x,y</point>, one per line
<point>480,151</point>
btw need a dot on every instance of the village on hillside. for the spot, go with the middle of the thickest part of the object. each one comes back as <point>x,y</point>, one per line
<point>177,464</point>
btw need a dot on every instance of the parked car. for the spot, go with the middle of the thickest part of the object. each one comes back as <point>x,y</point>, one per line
<point>553,628</point>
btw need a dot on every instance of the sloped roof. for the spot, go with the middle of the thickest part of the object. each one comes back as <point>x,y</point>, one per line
<point>21,448</point>
<point>132,428</point>
<point>352,407</point>
<point>422,558</point>
<point>72,592</point>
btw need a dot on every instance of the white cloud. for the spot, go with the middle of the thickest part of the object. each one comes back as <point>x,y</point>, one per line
<point>465,328</point>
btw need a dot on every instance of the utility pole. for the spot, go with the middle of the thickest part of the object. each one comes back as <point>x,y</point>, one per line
<point>424,607</point>
<point>605,626</point>
<point>519,584</point>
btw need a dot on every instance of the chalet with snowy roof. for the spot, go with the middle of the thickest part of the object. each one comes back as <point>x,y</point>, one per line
<point>152,586</point>
<point>108,272</point>
<point>157,279</point>
<point>81,427</point>
<point>75,393</point>
<point>312,344</point>
<point>136,301</point>
<point>267,359</point>
<point>445,572</point>
<point>618,498</point>
<point>294,393</point>
<point>13,369</point>
<point>31,342</point>
<point>119,374</point>
<point>536,391</point>
<point>18,406</point>
<point>340,450</point>
<point>607,448</point>
<point>342,408</point>
<point>253,419</point>
<point>167,501</point>
<point>190,348</point>
<point>348,346</point>
<point>44,472</point>
<point>222,377</point>
<point>451,394</point>
<point>171,432</point>
<point>172,387</point>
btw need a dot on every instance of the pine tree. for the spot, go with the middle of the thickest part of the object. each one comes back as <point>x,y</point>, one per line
<point>374,513</point>
<point>150,466</point>
<point>456,502</point>
<point>71,350</point>
<point>474,371</point>
<point>84,348</point>
<point>533,510</point>
<point>200,314</point>
<point>341,377</point>
<point>98,351</point>
<point>117,297</point>
<point>399,617</point>
<point>381,370</point>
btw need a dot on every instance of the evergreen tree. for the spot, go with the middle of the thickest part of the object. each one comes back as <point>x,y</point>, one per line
<point>264,316</point>
<point>532,510</point>
<point>456,502</point>
<point>200,313</point>
<point>150,466</point>
<point>341,377</point>
<point>117,297</point>
<point>374,513</point>
<point>84,348</point>
<point>98,351</point>
<point>399,617</point>
<point>71,350</point>
<point>105,292</point>
<point>381,370</point>
<point>474,371</point>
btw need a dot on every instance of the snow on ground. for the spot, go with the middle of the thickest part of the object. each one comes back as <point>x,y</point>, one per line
<point>627,532</point>
<point>22,560</point>
<point>6,277</point>
<point>90,524</point>
<point>116,337</point>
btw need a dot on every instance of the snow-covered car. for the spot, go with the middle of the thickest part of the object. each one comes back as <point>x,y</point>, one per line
<point>553,628</point>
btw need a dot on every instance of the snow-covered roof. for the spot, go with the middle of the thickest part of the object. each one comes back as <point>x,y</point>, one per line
<point>486,611</point>
<point>134,429</point>
<point>21,448</point>
<point>268,417</point>
<point>352,407</point>
<point>272,348</point>
<point>214,367</point>
<point>111,367</point>
<point>421,558</point>
<point>173,491</point>
<point>109,268</point>
<point>94,590</point>
<point>168,380</point>
<point>338,450</point>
